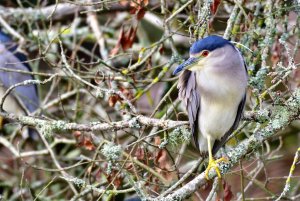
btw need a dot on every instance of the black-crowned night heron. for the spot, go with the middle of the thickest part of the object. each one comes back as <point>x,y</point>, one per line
<point>213,89</point>
<point>24,99</point>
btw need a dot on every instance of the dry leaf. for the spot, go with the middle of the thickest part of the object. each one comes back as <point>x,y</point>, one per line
<point>88,144</point>
<point>113,99</point>
<point>116,49</point>
<point>214,6</point>
<point>228,195</point>
<point>139,153</point>
<point>125,40</point>
<point>138,8</point>
<point>128,38</point>
<point>115,179</point>
<point>139,3</point>
<point>140,13</point>
<point>127,93</point>
<point>84,141</point>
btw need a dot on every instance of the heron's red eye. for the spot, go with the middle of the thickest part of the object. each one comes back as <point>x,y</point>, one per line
<point>205,53</point>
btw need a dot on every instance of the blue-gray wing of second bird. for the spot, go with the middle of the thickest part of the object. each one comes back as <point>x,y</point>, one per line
<point>26,96</point>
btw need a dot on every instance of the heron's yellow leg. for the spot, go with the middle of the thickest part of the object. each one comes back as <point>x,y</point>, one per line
<point>1,122</point>
<point>212,163</point>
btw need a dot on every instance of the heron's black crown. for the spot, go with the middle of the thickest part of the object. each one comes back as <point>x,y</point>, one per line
<point>209,43</point>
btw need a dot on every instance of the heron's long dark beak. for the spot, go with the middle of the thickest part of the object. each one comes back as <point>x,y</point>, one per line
<point>187,63</point>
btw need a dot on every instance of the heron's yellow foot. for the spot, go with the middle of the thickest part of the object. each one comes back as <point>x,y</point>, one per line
<point>214,164</point>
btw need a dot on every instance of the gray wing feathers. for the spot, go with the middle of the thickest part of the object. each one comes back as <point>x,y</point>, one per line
<point>190,96</point>
<point>27,96</point>
<point>219,143</point>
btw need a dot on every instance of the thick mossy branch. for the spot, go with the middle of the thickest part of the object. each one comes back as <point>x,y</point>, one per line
<point>48,126</point>
<point>60,126</point>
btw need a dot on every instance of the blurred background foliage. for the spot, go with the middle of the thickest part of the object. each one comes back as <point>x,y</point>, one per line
<point>132,47</point>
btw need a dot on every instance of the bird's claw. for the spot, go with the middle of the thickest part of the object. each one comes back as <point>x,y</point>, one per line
<point>214,164</point>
